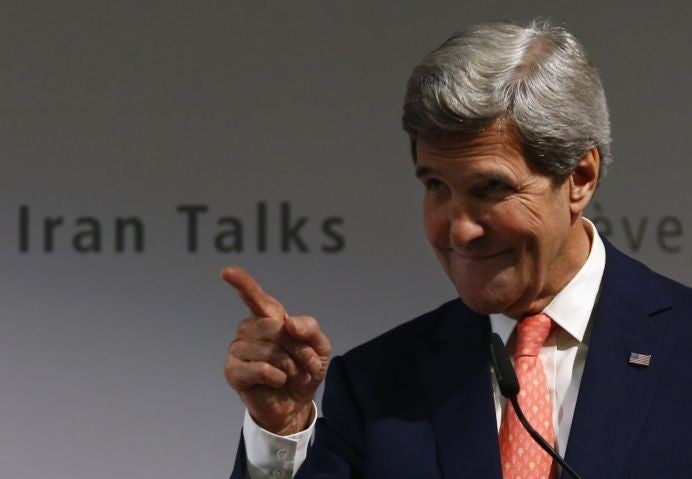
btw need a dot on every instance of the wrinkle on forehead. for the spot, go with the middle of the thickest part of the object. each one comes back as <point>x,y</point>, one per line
<point>452,145</point>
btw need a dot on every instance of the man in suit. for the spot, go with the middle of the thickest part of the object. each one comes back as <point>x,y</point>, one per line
<point>510,136</point>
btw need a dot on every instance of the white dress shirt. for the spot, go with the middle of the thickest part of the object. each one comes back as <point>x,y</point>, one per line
<point>563,356</point>
<point>270,456</point>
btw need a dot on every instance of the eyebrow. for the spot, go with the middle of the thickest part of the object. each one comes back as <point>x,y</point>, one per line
<point>422,171</point>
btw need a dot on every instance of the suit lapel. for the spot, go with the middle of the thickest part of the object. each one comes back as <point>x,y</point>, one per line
<point>614,396</point>
<point>463,414</point>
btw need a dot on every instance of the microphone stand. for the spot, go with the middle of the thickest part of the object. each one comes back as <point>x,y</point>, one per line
<point>509,387</point>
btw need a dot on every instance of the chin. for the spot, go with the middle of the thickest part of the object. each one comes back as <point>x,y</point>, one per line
<point>481,304</point>
<point>487,298</point>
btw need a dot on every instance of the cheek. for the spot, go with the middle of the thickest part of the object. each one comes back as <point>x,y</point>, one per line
<point>535,232</point>
<point>436,227</point>
<point>525,221</point>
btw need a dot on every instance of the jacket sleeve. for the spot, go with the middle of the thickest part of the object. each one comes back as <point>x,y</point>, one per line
<point>337,451</point>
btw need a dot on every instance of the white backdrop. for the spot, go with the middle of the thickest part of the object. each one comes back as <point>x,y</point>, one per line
<point>111,361</point>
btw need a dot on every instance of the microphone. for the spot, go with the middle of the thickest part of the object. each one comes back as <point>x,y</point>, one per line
<point>509,387</point>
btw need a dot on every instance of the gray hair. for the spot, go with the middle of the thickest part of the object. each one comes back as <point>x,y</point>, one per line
<point>538,77</point>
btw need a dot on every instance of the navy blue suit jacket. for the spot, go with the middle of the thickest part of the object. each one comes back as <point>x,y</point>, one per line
<point>417,402</point>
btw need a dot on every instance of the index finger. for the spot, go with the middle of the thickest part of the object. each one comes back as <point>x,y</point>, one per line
<point>251,293</point>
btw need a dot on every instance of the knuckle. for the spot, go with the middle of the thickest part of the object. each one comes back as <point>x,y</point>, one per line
<point>234,347</point>
<point>269,375</point>
<point>311,322</point>
<point>230,378</point>
<point>271,351</point>
<point>268,323</point>
<point>264,370</point>
<point>244,327</point>
<point>307,325</point>
<point>270,328</point>
<point>230,372</point>
<point>285,363</point>
<point>304,354</point>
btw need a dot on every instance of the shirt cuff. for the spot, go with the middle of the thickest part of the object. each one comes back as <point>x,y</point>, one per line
<point>270,456</point>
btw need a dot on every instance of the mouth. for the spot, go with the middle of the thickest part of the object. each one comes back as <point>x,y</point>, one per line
<point>476,256</point>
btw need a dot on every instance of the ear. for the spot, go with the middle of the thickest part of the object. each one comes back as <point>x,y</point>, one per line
<point>583,181</point>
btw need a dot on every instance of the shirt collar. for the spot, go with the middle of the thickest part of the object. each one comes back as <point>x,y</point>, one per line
<point>570,308</point>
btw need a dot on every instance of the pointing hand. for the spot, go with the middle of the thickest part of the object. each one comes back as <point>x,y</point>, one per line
<point>276,362</point>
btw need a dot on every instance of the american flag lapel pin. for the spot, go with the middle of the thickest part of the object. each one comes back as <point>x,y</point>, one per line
<point>640,359</point>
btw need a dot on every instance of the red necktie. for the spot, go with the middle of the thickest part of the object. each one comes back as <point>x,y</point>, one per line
<point>522,457</point>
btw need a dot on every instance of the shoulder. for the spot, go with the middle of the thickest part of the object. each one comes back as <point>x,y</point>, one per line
<point>387,371</point>
<point>410,336</point>
<point>393,369</point>
<point>640,284</point>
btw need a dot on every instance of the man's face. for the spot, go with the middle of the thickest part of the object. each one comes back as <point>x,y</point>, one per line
<point>503,232</point>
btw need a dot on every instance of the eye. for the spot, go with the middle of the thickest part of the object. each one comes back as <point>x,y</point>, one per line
<point>432,184</point>
<point>493,189</point>
<point>435,188</point>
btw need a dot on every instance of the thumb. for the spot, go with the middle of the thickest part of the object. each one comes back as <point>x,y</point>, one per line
<point>307,330</point>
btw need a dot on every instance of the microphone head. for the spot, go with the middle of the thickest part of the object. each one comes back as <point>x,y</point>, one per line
<point>504,371</point>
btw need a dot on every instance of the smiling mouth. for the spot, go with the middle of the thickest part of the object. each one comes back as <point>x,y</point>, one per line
<point>476,257</point>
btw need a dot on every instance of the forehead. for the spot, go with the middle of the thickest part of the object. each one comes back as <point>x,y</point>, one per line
<point>495,147</point>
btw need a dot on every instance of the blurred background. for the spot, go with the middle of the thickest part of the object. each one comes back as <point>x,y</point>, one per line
<point>144,145</point>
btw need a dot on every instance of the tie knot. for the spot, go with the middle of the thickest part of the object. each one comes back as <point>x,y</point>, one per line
<point>532,331</point>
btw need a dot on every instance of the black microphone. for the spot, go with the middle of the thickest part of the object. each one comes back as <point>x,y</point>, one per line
<point>509,387</point>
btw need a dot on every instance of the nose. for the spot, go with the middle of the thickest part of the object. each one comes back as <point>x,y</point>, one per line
<point>464,227</point>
